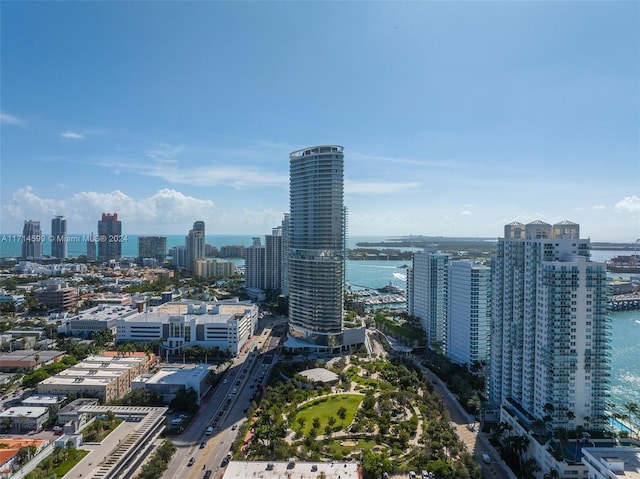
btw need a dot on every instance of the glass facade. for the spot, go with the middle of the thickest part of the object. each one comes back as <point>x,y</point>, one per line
<point>316,254</point>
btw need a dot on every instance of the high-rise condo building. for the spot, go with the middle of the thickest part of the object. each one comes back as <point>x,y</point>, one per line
<point>194,245</point>
<point>91,248</point>
<point>199,225</point>
<point>109,238</point>
<point>427,294</point>
<point>317,237</point>
<point>550,334</point>
<point>254,265</point>
<point>32,239</point>
<point>152,247</point>
<point>178,256</point>
<point>59,237</point>
<point>284,284</point>
<point>273,260</point>
<point>469,314</point>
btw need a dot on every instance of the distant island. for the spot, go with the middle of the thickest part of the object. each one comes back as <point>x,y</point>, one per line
<point>402,248</point>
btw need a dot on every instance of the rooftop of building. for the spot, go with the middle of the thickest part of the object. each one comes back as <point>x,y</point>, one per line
<point>176,375</point>
<point>105,312</point>
<point>283,470</point>
<point>61,380</point>
<point>77,404</point>
<point>107,357</point>
<point>616,461</point>
<point>98,368</point>
<point>95,373</point>
<point>210,312</point>
<point>27,411</point>
<point>44,400</point>
<point>29,355</point>
<point>320,375</point>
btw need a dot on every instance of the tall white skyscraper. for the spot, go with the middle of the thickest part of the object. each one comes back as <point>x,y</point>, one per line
<point>427,295</point>
<point>469,315</point>
<point>178,256</point>
<point>254,265</point>
<point>59,237</point>
<point>550,329</point>
<point>317,237</point>
<point>194,245</point>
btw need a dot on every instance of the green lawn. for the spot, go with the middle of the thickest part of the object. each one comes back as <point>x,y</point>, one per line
<point>75,456</point>
<point>328,406</point>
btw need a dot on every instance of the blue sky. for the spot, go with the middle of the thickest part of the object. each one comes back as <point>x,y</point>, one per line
<point>456,117</point>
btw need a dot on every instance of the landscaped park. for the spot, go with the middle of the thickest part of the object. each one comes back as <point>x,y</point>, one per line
<point>383,413</point>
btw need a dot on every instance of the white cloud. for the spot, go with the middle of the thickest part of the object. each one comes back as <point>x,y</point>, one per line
<point>373,187</point>
<point>164,153</point>
<point>465,213</point>
<point>235,177</point>
<point>7,119</point>
<point>408,161</point>
<point>83,209</point>
<point>217,171</point>
<point>599,207</point>
<point>629,203</point>
<point>72,135</point>
<point>25,204</point>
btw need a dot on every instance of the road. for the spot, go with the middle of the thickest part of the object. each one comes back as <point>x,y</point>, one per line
<point>476,442</point>
<point>243,377</point>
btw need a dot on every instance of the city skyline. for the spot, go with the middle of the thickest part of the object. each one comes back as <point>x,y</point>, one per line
<point>456,118</point>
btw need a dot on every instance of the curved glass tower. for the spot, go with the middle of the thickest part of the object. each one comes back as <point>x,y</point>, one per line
<point>317,232</point>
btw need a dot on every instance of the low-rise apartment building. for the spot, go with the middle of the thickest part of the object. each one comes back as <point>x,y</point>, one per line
<point>23,419</point>
<point>106,377</point>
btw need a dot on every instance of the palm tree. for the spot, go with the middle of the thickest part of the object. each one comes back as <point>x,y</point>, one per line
<point>548,409</point>
<point>633,409</point>
<point>530,467</point>
<point>538,426</point>
<point>561,435</point>
<point>570,418</point>
<point>520,445</point>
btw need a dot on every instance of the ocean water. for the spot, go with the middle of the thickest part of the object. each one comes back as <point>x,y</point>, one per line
<point>11,244</point>
<point>625,359</point>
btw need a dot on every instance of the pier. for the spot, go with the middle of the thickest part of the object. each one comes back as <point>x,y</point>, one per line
<point>625,302</point>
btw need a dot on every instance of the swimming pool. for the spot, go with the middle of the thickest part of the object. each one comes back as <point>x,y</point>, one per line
<point>619,426</point>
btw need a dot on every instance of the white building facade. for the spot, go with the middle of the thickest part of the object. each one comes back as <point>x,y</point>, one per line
<point>254,265</point>
<point>427,296</point>
<point>224,324</point>
<point>469,315</point>
<point>550,331</point>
